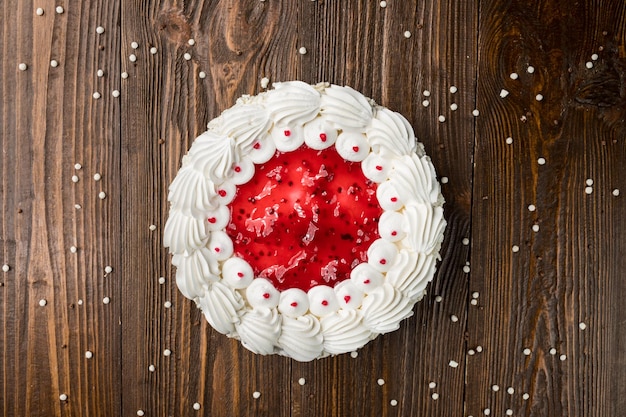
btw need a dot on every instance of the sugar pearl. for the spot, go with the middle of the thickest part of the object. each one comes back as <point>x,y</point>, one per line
<point>381,382</point>
<point>531,207</point>
<point>454,106</point>
<point>302,50</point>
<point>140,413</point>
<point>88,354</point>
<point>99,30</point>
<point>77,166</point>
<point>43,302</point>
<point>616,192</point>
<point>526,352</point>
<point>513,76</point>
<point>196,406</point>
<point>453,364</point>
<point>444,180</point>
<point>541,161</point>
<point>479,348</point>
<point>486,411</point>
<point>74,178</point>
<point>167,352</point>
<point>510,390</point>
<point>132,58</point>
<point>530,69</point>
<point>59,10</point>
<point>525,396</point>
<point>63,397</point>
<point>563,357</point>
<point>539,97</point>
<point>475,112</point>
<point>115,93</point>
<point>589,64</point>
<point>162,280</point>
<point>134,45</point>
<point>265,82</point>
<point>354,354</point>
<point>535,227</point>
<point>191,42</point>
<point>495,388</point>
<point>39,11</point>
<point>432,385</point>
<point>453,89</point>
<point>124,75</point>
<point>151,368</point>
<point>256,395</point>
<point>77,206</point>
<point>167,304</point>
<point>99,73</point>
<point>152,228</point>
<point>153,50</point>
<point>5,268</point>
<point>22,67</point>
<point>96,95</point>
<point>594,57</point>
<point>54,63</point>
<point>515,248</point>
<point>438,299</point>
<point>504,93</point>
<point>426,93</point>
<point>80,302</point>
<point>407,34</point>
<point>475,294</point>
<point>383,4</point>
<point>465,241</point>
<point>509,412</point>
<point>588,190</point>
<point>73,249</point>
<point>441,118</point>
<point>466,269</point>
<point>106,300</point>
<point>393,403</point>
<point>102,195</point>
<point>582,326</point>
<point>202,74</point>
<point>552,351</point>
<point>187,56</point>
<point>471,352</point>
<point>108,269</point>
<point>301,381</point>
<point>435,396</point>
<point>454,318</point>
<point>425,103</point>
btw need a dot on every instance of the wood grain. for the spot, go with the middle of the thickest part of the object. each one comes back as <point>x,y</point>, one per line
<point>153,351</point>
<point>51,122</point>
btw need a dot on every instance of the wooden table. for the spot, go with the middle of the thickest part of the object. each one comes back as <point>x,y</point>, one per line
<point>536,231</point>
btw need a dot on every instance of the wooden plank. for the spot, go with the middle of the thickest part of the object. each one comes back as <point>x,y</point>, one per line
<point>168,105</point>
<point>51,298</point>
<point>363,45</point>
<point>569,270</point>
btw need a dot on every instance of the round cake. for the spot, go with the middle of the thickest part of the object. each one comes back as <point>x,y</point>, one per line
<point>305,221</point>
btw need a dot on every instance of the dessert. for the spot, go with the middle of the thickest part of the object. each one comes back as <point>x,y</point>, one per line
<point>305,221</point>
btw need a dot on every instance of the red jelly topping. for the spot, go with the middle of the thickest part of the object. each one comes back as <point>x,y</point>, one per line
<point>306,218</point>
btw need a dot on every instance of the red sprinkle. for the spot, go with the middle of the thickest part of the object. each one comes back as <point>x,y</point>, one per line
<point>324,303</point>
<point>212,219</point>
<point>347,299</point>
<point>394,233</point>
<point>355,148</point>
<point>257,145</point>
<point>237,169</point>
<point>287,133</point>
<point>394,199</point>
<point>383,261</point>
<point>222,193</point>
<point>367,281</point>
<point>217,249</point>
<point>266,295</point>
<point>323,137</point>
<point>294,304</point>
<point>240,274</point>
<point>378,167</point>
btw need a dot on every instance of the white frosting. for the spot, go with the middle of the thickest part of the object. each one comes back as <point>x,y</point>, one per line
<point>301,337</point>
<point>323,321</point>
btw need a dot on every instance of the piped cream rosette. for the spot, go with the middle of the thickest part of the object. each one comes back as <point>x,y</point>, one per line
<point>323,321</point>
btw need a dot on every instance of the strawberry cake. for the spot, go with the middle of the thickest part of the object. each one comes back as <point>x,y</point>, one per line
<point>305,221</point>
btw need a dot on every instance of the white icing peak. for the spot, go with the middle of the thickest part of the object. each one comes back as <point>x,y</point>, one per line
<point>323,321</point>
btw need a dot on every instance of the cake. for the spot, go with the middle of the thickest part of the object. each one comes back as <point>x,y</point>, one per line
<point>306,221</point>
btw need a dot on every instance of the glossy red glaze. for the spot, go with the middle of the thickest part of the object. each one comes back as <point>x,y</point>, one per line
<point>305,219</point>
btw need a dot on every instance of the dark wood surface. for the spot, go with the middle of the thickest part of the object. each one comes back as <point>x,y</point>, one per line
<point>570,271</point>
